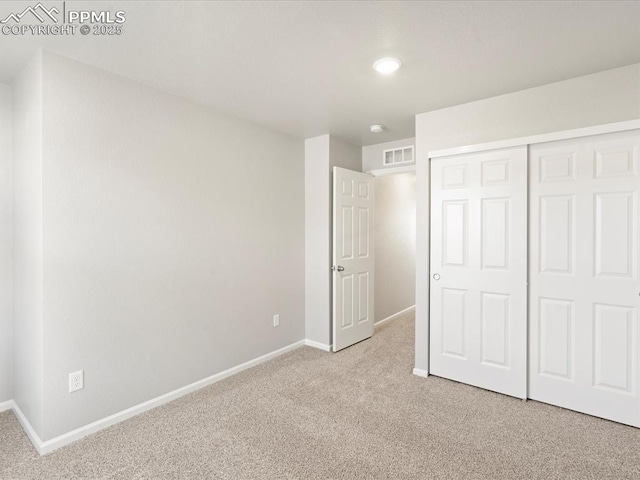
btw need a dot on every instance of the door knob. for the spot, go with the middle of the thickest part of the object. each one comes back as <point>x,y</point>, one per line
<point>436,276</point>
<point>339,268</point>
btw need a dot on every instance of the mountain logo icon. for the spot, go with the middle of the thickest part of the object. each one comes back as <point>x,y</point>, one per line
<point>39,11</point>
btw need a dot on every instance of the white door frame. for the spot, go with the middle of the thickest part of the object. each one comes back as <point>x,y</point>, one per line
<point>383,172</point>
<point>423,209</point>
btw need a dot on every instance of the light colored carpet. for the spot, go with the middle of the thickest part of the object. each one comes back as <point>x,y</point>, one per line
<point>356,414</point>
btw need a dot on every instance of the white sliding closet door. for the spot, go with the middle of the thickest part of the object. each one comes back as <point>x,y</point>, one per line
<point>478,269</point>
<point>584,289</point>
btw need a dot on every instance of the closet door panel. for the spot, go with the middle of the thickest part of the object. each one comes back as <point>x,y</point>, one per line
<point>584,292</point>
<point>478,277</point>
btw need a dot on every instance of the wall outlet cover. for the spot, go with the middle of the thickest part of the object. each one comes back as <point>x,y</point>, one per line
<point>76,381</point>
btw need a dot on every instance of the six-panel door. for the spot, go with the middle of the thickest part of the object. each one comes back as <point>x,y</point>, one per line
<point>478,303</point>
<point>353,276</point>
<point>584,288</point>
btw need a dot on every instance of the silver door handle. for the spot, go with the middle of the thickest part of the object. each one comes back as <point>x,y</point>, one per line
<point>436,276</point>
<point>339,268</point>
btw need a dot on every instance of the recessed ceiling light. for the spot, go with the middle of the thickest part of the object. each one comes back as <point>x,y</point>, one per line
<point>376,128</point>
<point>387,65</point>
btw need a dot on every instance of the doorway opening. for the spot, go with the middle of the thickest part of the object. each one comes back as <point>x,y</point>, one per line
<point>395,245</point>
<point>373,262</point>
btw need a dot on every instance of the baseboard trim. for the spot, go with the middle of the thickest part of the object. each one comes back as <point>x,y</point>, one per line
<point>65,439</point>
<point>8,405</point>
<point>318,345</point>
<point>420,372</point>
<point>29,430</point>
<point>395,315</point>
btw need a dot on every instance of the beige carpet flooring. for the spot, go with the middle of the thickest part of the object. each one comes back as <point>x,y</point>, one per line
<point>356,414</point>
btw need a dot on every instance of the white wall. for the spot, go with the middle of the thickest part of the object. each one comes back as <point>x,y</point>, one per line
<point>27,243</point>
<point>173,233</point>
<point>372,155</point>
<point>605,97</point>
<point>6,242</point>
<point>395,243</point>
<point>321,155</point>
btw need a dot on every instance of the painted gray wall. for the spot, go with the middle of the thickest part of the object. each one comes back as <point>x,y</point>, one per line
<point>322,153</point>
<point>395,243</point>
<point>605,97</point>
<point>6,243</point>
<point>372,155</point>
<point>27,243</point>
<point>173,234</point>
<point>317,192</point>
<point>344,154</point>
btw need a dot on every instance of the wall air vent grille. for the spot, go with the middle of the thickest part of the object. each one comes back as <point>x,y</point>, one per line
<point>398,155</point>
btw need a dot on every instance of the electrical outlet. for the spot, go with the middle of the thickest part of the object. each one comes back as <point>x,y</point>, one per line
<point>276,320</point>
<point>76,381</point>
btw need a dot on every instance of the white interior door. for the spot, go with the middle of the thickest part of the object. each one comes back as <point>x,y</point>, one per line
<point>353,279</point>
<point>478,301</point>
<point>584,292</point>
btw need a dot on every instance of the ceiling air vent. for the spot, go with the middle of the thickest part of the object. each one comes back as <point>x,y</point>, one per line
<point>398,155</point>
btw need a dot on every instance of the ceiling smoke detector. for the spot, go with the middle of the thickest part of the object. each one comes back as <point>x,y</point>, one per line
<point>376,128</point>
<point>387,65</point>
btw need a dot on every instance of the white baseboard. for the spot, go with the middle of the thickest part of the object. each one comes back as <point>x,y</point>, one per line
<point>395,315</point>
<point>60,441</point>
<point>420,372</point>
<point>31,433</point>
<point>8,405</point>
<point>314,344</point>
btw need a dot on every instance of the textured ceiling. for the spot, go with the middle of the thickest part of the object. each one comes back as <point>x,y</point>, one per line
<point>304,68</point>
